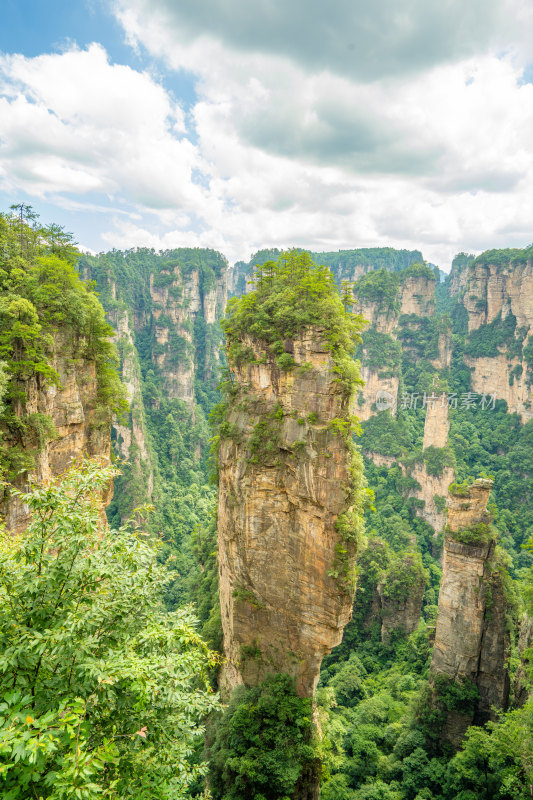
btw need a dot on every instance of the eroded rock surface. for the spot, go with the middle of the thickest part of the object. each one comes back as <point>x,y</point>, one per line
<point>80,428</point>
<point>471,639</point>
<point>282,607</point>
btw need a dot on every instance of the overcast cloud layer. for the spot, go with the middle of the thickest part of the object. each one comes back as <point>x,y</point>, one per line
<point>328,126</point>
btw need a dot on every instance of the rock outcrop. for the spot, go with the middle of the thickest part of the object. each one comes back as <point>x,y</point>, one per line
<point>400,596</point>
<point>165,309</point>
<point>431,486</point>
<point>418,296</point>
<point>500,294</point>
<point>415,296</point>
<point>178,300</point>
<point>285,477</point>
<point>131,436</point>
<point>436,424</point>
<point>521,686</point>
<point>79,428</point>
<point>504,378</point>
<point>471,639</point>
<point>489,289</point>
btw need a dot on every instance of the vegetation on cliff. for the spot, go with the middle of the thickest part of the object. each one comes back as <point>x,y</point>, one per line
<point>45,308</point>
<point>385,737</point>
<point>168,304</point>
<point>381,735</point>
<point>290,296</point>
<point>261,746</point>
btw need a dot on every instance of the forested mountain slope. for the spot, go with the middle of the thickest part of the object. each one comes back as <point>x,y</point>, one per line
<point>448,371</point>
<point>58,386</point>
<point>166,310</point>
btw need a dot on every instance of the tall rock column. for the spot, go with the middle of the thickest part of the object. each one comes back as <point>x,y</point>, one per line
<point>285,480</point>
<point>471,639</point>
<point>79,427</point>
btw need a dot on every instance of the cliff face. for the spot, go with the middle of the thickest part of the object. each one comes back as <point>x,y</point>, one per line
<point>284,473</point>
<point>400,597</point>
<point>499,297</point>
<point>491,289</point>
<point>402,321</point>
<point>521,691</point>
<point>79,428</point>
<point>431,486</point>
<point>415,295</point>
<point>418,296</point>
<point>178,301</point>
<point>165,309</point>
<point>497,375</point>
<point>471,639</point>
<point>130,435</point>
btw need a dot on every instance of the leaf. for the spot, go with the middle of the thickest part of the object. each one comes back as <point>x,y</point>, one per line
<point>142,732</point>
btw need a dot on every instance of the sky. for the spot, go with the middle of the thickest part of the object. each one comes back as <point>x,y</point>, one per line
<point>243,124</point>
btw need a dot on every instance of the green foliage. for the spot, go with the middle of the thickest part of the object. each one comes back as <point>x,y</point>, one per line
<point>384,434</point>
<point>380,287</point>
<point>381,353</point>
<point>507,257</point>
<point>261,747</point>
<point>455,695</point>
<point>436,459</point>
<point>102,690</point>
<point>45,308</point>
<point>344,264</point>
<point>478,534</point>
<point>242,595</point>
<point>418,269</point>
<point>462,489</point>
<point>265,438</point>
<point>290,296</point>
<point>404,574</point>
<point>488,340</point>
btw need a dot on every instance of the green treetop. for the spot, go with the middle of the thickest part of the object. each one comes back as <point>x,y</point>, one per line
<point>102,691</point>
<point>45,305</point>
<point>290,296</point>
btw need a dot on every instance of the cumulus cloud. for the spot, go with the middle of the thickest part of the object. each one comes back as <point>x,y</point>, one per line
<point>354,38</point>
<point>73,122</point>
<point>282,148</point>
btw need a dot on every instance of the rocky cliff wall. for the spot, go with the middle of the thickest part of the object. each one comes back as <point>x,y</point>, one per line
<point>431,486</point>
<point>489,289</point>
<point>80,426</point>
<point>130,434</point>
<point>471,639</point>
<point>415,296</point>
<point>165,309</point>
<point>499,295</point>
<point>284,481</point>
<point>400,595</point>
<point>178,301</point>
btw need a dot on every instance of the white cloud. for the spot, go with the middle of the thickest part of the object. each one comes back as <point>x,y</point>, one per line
<point>440,159</point>
<point>73,122</point>
<point>358,39</point>
<point>275,152</point>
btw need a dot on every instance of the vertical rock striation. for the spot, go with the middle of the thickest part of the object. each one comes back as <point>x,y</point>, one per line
<point>79,429</point>
<point>180,300</point>
<point>471,639</point>
<point>131,436</point>
<point>496,291</point>
<point>285,476</point>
